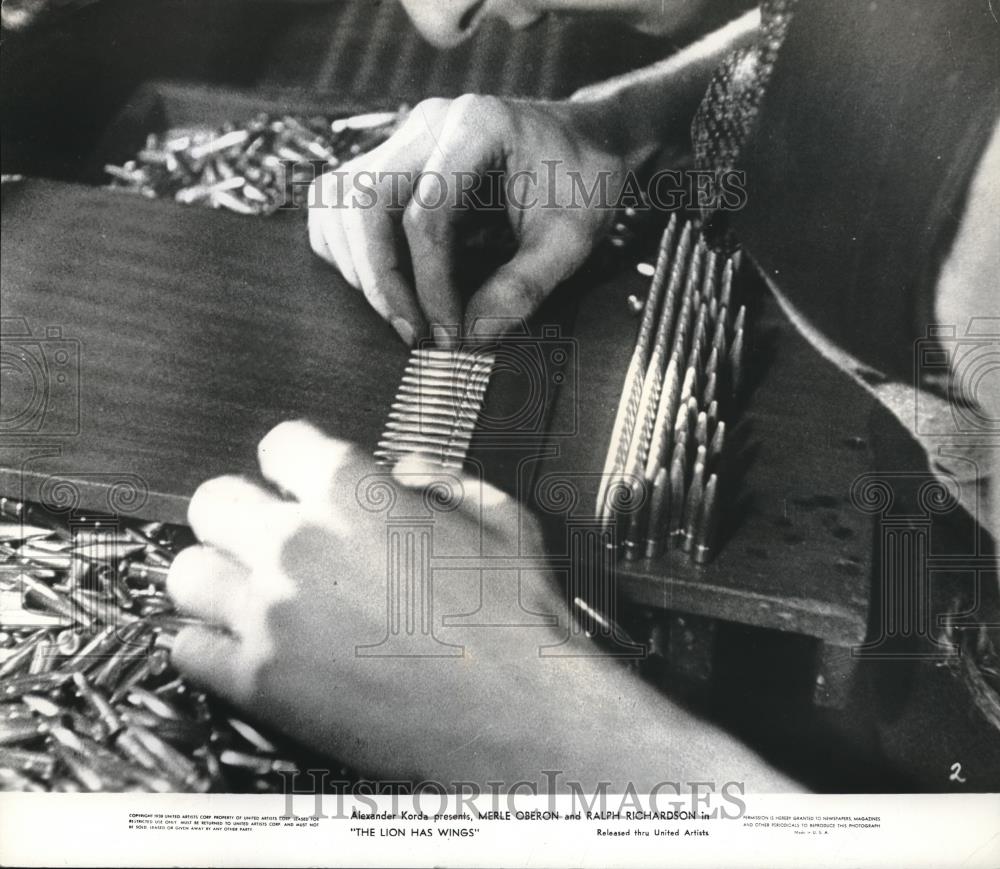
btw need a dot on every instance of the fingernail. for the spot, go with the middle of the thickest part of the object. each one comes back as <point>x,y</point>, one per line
<point>415,471</point>
<point>494,327</point>
<point>445,336</point>
<point>405,330</point>
<point>480,332</point>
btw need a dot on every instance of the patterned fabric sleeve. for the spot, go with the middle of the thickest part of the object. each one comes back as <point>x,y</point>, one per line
<point>728,113</point>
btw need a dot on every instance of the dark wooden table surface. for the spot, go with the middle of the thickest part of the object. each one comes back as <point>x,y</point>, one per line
<point>197,331</point>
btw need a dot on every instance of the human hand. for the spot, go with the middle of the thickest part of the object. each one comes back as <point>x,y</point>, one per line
<point>298,594</point>
<point>401,207</point>
<point>295,592</point>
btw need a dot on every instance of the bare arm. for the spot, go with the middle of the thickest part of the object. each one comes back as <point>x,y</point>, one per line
<point>650,110</point>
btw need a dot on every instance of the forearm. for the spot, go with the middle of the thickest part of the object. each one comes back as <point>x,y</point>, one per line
<point>605,724</point>
<point>587,722</point>
<point>649,111</point>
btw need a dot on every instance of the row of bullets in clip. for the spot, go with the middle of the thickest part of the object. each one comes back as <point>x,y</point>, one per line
<point>254,168</point>
<point>669,436</point>
<point>437,405</point>
<point>88,698</point>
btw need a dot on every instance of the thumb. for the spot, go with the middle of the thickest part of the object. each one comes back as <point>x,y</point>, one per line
<point>516,290</point>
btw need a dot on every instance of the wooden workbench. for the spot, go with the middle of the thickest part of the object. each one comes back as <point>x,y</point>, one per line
<point>197,331</point>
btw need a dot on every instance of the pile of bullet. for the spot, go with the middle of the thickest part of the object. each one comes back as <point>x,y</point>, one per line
<point>436,408</point>
<point>88,698</point>
<point>254,168</point>
<point>669,435</point>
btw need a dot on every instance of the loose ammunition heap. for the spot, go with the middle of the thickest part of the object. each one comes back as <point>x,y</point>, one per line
<point>436,407</point>
<point>88,698</point>
<point>669,434</point>
<point>253,168</point>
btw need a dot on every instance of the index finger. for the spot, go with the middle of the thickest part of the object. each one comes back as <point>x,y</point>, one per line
<point>304,462</point>
<point>469,143</point>
<point>380,186</point>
